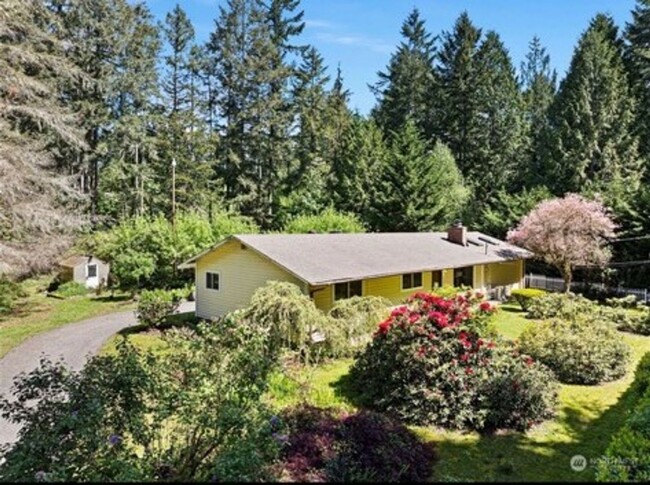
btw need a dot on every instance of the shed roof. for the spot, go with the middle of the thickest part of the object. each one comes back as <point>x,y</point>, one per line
<point>321,259</point>
<point>75,260</point>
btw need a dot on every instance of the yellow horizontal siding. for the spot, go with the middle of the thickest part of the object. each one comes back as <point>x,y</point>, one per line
<point>502,274</point>
<point>323,297</point>
<point>241,272</point>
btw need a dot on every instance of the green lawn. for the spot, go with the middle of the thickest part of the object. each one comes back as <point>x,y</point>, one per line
<point>587,418</point>
<point>37,312</point>
<point>148,339</point>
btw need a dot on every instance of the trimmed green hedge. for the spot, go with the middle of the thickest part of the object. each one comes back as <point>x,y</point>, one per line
<point>627,458</point>
<point>524,296</point>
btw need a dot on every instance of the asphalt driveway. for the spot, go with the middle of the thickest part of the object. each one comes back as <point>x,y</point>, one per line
<point>74,343</point>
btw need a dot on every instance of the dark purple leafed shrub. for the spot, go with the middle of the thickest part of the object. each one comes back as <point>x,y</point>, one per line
<point>323,445</point>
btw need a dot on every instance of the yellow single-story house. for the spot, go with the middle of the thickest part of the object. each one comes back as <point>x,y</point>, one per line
<point>329,267</point>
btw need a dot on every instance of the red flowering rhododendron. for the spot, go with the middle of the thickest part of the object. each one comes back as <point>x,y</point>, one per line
<point>430,363</point>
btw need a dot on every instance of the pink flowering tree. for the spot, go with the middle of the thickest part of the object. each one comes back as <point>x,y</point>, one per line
<point>567,232</point>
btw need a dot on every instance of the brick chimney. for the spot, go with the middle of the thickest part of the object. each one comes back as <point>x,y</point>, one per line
<point>457,233</point>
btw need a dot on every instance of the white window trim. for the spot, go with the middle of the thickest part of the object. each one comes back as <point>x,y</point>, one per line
<point>363,290</point>
<point>96,270</point>
<point>205,281</point>
<point>401,282</point>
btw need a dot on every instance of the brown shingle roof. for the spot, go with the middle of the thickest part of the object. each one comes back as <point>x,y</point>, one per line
<point>320,259</point>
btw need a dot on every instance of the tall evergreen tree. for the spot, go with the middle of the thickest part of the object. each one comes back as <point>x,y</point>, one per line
<point>459,102</point>
<point>183,136</point>
<point>638,36</point>
<point>128,183</point>
<point>538,83</point>
<point>500,120</point>
<point>592,145</point>
<point>248,49</point>
<point>481,109</point>
<point>40,206</point>
<point>354,173</point>
<point>305,184</point>
<point>407,195</point>
<point>404,91</point>
<point>179,36</point>
<point>115,43</point>
<point>338,119</point>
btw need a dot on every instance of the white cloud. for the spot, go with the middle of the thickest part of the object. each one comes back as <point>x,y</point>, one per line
<point>356,40</point>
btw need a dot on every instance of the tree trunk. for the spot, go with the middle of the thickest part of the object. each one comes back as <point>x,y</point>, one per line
<point>567,276</point>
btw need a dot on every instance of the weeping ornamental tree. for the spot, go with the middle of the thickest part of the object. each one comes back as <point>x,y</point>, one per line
<point>567,232</point>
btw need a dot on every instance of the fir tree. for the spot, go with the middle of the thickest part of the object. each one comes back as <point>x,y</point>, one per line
<point>538,83</point>
<point>182,135</point>
<point>407,195</point>
<point>638,36</point>
<point>459,102</point>
<point>305,187</point>
<point>481,110</point>
<point>354,173</point>
<point>592,146</point>
<point>404,91</point>
<point>500,120</point>
<point>248,49</point>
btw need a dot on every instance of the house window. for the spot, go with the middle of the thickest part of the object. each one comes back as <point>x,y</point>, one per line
<point>411,280</point>
<point>464,276</point>
<point>212,281</point>
<point>348,289</point>
<point>91,269</point>
<point>436,279</point>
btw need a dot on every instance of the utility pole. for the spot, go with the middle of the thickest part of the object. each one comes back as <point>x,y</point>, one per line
<point>174,194</point>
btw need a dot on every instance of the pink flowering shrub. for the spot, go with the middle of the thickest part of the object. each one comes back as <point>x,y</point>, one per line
<point>429,363</point>
<point>566,232</point>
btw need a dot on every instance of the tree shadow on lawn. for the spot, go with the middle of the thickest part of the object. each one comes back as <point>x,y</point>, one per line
<point>541,454</point>
<point>113,298</point>
<point>512,309</point>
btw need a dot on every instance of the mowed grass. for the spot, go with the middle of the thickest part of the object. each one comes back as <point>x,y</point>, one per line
<point>38,313</point>
<point>148,339</point>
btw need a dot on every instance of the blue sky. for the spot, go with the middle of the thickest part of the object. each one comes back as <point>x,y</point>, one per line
<point>361,34</point>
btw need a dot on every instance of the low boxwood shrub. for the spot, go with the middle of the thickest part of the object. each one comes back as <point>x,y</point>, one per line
<point>627,458</point>
<point>155,305</point>
<point>560,305</point>
<point>428,365</point>
<point>71,288</point>
<point>523,296</point>
<point>323,445</point>
<point>629,301</point>
<point>449,291</point>
<point>582,351</point>
<point>628,320</point>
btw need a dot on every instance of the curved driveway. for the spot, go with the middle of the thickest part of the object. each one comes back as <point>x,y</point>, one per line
<point>74,342</point>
